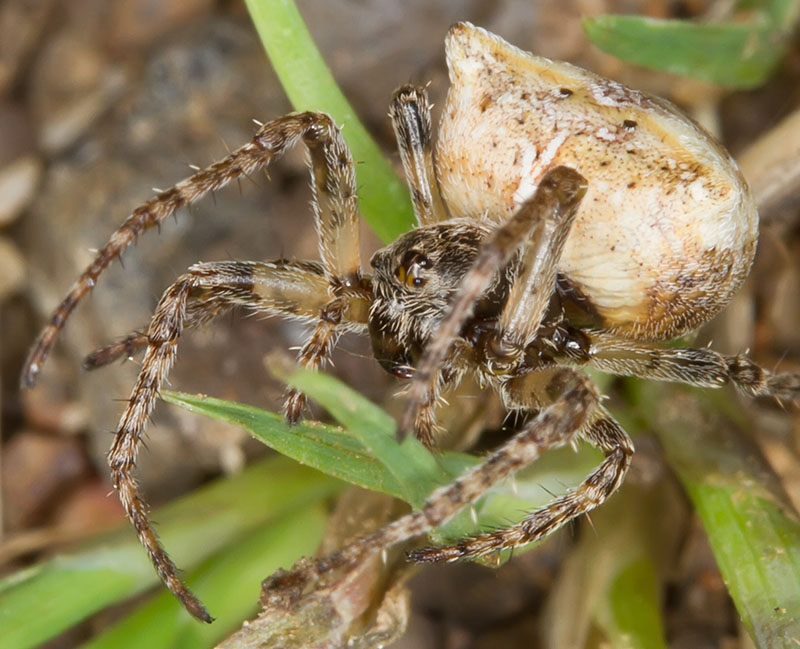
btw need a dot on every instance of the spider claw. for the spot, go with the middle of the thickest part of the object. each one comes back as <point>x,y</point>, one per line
<point>294,406</point>
<point>196,608</point>
<point>30,374</point>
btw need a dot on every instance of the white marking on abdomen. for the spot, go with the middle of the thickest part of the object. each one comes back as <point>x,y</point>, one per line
<point>538,164</point>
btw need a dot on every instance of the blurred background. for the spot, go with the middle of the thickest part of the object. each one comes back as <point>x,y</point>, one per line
<point>100,102</point>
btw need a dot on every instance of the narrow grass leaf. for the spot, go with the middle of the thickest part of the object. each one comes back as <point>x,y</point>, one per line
<point>329,449</point>
<point>39,603</point>
<point>308,83</point>
<point>413,466</point>
<point>632,617</point>
<point>232,580</point>
<point>753,530</point>
<point>734,54</point>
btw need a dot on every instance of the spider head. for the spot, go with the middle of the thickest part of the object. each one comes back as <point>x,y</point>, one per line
<point>413,282</point>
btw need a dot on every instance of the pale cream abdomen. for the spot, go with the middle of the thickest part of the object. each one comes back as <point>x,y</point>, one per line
<point>667,231</point>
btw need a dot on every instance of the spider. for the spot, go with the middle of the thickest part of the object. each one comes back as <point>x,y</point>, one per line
<point>566,221</point>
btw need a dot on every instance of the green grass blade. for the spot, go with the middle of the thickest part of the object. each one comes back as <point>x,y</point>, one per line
<point>39,603</point>
<point>635,533</point>
<point>411,464</point>
<point>633,616</point>
<point>406,470</point>
<point>733,54</point>
<point>343,454</point>
<point>753,530</point>
<point>308,83</point>
<point>232,580</point>
<point>328,449</point>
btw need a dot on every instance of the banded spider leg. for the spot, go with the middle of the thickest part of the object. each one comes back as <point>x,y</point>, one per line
<point>564,402</point>
<point>331,294</point>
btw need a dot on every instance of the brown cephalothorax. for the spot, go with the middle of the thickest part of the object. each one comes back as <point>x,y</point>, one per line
<point>566,221</point>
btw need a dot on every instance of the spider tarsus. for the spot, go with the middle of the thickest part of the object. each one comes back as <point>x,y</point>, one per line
<point>294,406</point>
<point>126,347</point>
<point>196,608</point>
<point>756,381</point>
<point>30,374</point>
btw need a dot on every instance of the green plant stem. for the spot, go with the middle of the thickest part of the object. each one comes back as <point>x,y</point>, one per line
<point>308,83</point>
<point>753,530</point>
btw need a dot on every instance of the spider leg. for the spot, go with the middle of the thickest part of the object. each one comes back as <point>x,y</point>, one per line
<point>700,367</point>
<point>296,289</point>
<point>411,119</point>
<point>531,291</point>
<point>555,202</point>
<point>425,427</point>
<point>335,205</point>
<point>199,310</point>
<point>315,352</point>
<point>600,430</point>
<point>270,141</point>
<point>127,347</point>
<point>573,400</point>
<point>291,289</point>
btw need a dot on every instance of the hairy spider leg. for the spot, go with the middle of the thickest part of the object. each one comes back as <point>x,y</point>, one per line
<point>410,113</point>
<point>699,367</point>
<point>549,214</point>
<point>294,289</point>
<point>531,393</point>
<point>574,399</point>
<point>271,140</point>
<point>332,294</point>
<point>335,205</point>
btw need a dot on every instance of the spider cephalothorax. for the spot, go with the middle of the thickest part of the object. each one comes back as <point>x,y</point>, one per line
<point>567,221</point>
<point>413,284</point>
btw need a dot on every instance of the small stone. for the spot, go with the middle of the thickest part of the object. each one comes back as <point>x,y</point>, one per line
<point>73,85</point>
<point>17,132</point>
<point>18,182</point>
<point>21,25</point>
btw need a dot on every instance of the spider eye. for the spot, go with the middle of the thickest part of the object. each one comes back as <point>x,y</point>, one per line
<point>412,268</point>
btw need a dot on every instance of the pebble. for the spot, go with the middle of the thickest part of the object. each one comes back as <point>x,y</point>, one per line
<point>21,25</point>
<point>49,408</point>
<point>73,86</point>
<point>18,183</point>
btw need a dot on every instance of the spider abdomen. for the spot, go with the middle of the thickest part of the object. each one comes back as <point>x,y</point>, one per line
<point>667,231</point>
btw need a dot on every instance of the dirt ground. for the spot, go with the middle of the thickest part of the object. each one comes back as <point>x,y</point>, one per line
<point>101,102</point>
